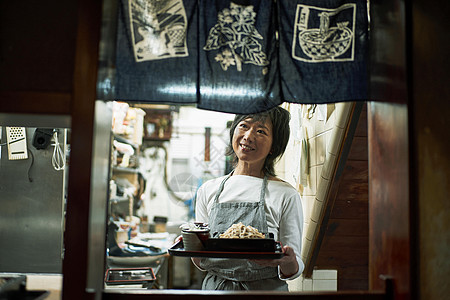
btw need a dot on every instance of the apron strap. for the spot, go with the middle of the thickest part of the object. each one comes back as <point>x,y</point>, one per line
<point>262,195</point>
<point>222,184</point>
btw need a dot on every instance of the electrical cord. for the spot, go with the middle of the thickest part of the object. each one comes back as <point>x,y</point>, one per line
<point>58,159</point>
<point>29,168</point>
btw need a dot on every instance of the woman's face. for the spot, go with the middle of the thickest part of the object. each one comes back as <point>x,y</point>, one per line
<point>252,141</point>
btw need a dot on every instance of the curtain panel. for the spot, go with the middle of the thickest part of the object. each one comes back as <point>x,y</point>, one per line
<point>241,56</point>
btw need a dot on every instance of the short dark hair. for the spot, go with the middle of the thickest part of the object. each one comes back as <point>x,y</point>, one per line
<point>280,121</point>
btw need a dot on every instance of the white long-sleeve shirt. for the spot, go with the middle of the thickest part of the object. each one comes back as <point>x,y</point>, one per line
<point>283,207</point>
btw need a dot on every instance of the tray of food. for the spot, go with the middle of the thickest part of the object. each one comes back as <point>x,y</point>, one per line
<point>239,241</point>
<point>178,250</point>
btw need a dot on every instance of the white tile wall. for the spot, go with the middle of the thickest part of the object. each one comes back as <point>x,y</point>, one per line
<point>306,241</point>
<point>307,285</point>
<point>324,285</point>
<point>335,140</point>
<point>342,113</point>
<point>316,179</point>
<point>316,211</point>
<point>321,280</point>
<point>319,134</point>
<point>307,202</point>
<point>328,167</point>
<point>309,236</point>
<point>305,229</point>
<point>324,274</point>
<point>322,192</point>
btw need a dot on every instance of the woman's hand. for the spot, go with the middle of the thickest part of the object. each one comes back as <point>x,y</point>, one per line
<point>288,263</point>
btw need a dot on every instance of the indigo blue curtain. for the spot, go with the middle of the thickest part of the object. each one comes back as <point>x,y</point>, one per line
<point>157,51</point>
<point>323,50</point>
<point>242,56</point>
<point>238,56</point>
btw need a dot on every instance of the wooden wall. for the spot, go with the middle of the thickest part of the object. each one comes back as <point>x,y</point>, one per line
<point>390,236</point>
<point>37,56</point>
<point>430,92</point>
<point>390,210</point>
<point>345,244</point>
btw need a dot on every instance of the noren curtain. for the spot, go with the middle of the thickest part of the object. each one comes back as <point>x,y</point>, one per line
<point>242,56</point>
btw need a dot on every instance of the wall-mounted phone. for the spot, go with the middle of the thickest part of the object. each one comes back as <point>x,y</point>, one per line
<point>17,143</point>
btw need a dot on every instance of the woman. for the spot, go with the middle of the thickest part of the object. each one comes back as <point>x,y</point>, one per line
<point>253,195</point>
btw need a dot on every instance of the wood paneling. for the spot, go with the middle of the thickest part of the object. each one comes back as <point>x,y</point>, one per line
<point>24,102</point>
<point>37,52</point>
<point>359,148</point>
<point>76,236</point>
<point>348,227</point>
<point>352,284</point>
<point>389,196</point>
<point>355,208</point>
<point>388,73</point>
<point>355,170</point>
<point>389,234</point>
<point>346,242</point>
<point>340,244</point>
<point>37,56</point>
<point>246,295</point>
<point>431,177</point>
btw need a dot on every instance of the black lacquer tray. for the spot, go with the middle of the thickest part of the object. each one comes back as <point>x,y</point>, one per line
<point>232,248</point>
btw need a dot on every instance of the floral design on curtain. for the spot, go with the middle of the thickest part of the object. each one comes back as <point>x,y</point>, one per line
<point>236,36</point>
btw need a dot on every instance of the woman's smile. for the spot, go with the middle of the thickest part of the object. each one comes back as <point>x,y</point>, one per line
<point>246,148</point>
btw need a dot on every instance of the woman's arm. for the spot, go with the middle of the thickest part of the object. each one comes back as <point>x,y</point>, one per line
<point>291,232</point>
<point>290,235</point>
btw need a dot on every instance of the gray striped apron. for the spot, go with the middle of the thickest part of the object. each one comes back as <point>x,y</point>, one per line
<point>239,274</point>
